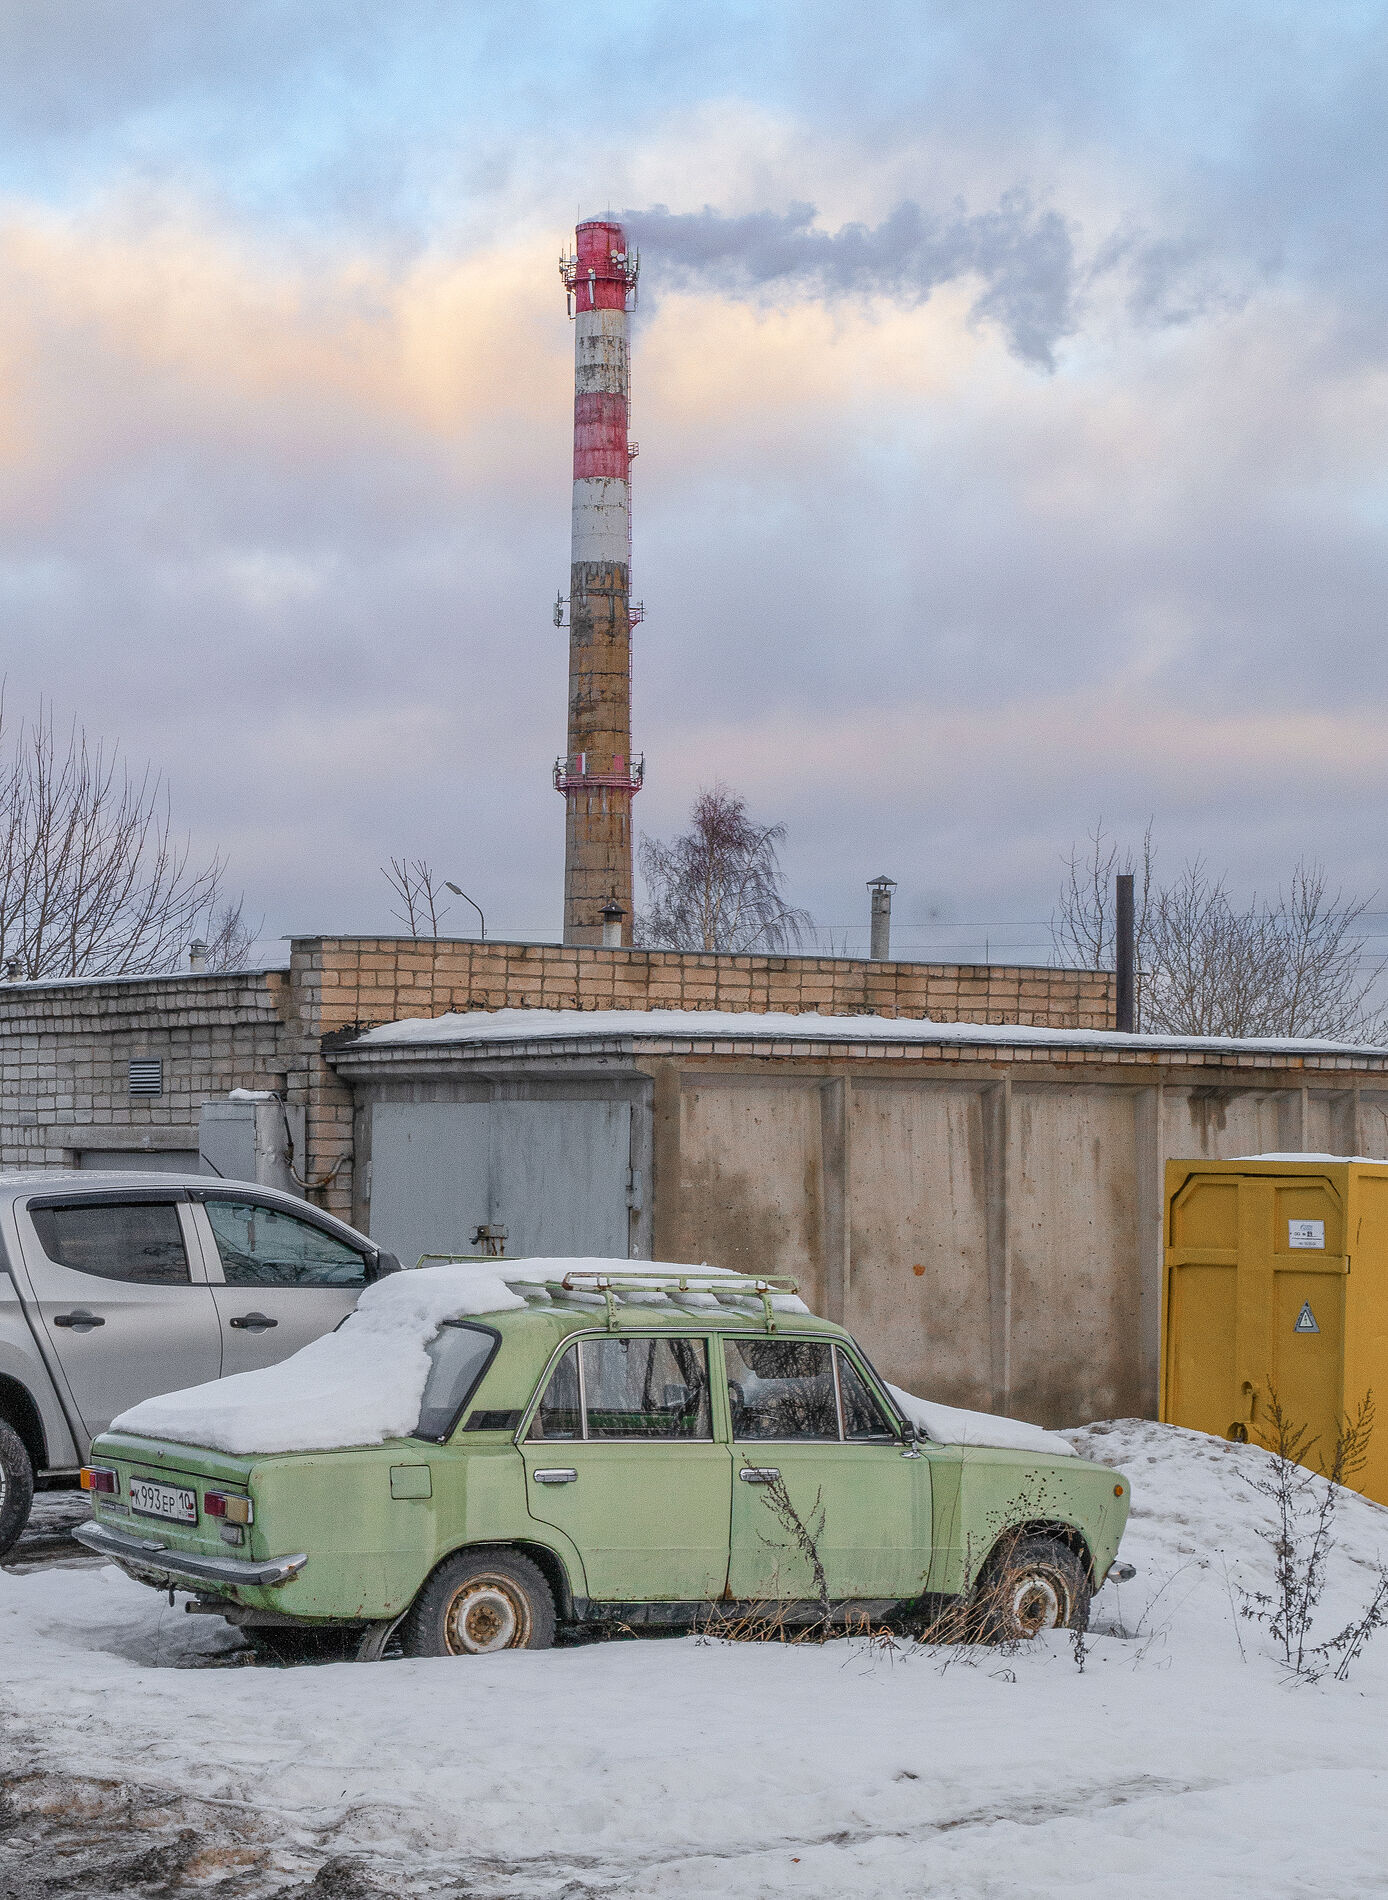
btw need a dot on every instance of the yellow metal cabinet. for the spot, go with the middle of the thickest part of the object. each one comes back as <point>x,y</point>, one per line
<point>1277,1280</point>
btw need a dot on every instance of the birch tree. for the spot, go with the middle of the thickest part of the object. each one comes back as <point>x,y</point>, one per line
<point>718,885</point>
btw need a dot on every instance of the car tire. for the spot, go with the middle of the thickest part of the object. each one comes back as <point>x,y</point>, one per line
<point>479,1602</point>
<point>16,1487</point>
<point>1033,1584</point>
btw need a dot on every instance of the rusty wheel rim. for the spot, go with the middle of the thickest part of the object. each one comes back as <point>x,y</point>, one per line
<point>1037,1601</point>
<point>488,1614</point>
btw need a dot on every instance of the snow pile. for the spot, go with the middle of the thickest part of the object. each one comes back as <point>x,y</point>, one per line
<point>363,1383</point>
<point>1180,1759</point>
<point>948,1425</point>
<point>357,1386</point>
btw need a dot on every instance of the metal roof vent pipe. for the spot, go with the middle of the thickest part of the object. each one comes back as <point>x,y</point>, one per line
<point>612,915</point>
<point>197,956</point>
<point>1125,958</point>
<point>881,945</point>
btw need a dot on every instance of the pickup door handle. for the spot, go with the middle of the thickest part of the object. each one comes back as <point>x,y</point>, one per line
<point>566,1476</point>
<point>254,1322</point>
<point>79,1322</point>
<point>759,1474</point>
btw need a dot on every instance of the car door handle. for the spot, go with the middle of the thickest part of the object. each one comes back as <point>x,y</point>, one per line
<point>79,1322</point>
<point>759,1474</point>
<point>565,1476</point>
<point>254,1322</point>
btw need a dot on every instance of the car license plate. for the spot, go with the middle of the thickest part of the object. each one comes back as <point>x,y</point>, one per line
<point>163,1500</point>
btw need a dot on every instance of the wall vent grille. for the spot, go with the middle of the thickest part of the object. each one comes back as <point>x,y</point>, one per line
<point>147,1076</point>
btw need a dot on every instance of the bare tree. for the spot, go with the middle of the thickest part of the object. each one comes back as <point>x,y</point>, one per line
<point>1082,924</point>
<point>1291,965</point>
<point>93,881</point>
<point>228,935</point>
<point>719,885</point>
<point>418,889</point>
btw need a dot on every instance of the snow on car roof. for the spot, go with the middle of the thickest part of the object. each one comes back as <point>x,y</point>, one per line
<point>364,1383</point>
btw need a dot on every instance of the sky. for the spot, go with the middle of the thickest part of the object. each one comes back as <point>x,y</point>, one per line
<point>1010,383</point>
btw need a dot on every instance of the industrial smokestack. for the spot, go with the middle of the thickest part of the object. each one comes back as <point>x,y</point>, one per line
<point>598,776</point>
<point>881,944</point>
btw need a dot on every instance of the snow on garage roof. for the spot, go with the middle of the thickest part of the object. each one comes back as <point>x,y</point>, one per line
<point>553,1025</point>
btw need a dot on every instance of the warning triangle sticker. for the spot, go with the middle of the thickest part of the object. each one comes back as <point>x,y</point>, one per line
<point>1306,1320</point>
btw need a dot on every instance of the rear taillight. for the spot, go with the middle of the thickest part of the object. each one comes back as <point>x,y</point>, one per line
<point>98,1478</point>
<point>234,1510</point>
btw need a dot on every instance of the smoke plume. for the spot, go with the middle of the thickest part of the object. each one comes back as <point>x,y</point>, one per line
<point>1024,258</point>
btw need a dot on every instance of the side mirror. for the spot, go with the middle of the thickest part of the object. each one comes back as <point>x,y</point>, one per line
<point>380,1266</point>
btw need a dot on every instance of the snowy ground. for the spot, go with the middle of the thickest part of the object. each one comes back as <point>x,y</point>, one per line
<point>143,1759</point>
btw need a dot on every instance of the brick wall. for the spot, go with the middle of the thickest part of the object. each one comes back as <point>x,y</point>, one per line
<point>341,983</point>
<point>65,1050</point>
<point>65,1047</point>
<point>374,980</point>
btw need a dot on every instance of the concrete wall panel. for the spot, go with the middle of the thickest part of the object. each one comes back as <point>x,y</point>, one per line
<point>1218,1124</point>
<point>1371,1133</point>
<point>1074,1286</point>
<point>918,1291</point>
<point>752,1187</point>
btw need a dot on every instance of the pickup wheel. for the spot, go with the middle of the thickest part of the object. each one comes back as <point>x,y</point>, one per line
<point>479,1602</point>
<point>16,1487</point>
<point>1034,1584</point>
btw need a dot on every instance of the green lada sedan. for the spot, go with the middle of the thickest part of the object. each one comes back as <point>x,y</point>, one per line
<point>485,1453</point>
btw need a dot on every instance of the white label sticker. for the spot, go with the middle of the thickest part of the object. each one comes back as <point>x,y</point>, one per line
<point>1306,1233</point>
<point>1306,1320</point>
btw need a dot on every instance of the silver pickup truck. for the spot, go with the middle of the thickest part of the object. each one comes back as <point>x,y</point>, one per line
<point>114,1287</point>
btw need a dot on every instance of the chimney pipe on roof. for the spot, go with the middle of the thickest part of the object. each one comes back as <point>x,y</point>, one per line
<point>612,914</point>
<point>881,945</point>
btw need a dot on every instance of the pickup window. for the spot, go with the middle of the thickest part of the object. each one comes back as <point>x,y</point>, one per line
<point>263,1246</point>
<point>139,1241</point>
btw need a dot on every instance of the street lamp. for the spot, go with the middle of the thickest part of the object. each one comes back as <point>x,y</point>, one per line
<point>449,885</point>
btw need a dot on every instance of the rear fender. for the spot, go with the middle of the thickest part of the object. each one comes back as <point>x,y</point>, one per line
<point>544,1556</point>
<point>27,1399</point>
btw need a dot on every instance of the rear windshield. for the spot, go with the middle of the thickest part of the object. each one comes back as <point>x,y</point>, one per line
<point>457,1359</point>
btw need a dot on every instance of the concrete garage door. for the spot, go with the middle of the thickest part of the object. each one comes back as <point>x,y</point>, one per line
<point>553,1174</point>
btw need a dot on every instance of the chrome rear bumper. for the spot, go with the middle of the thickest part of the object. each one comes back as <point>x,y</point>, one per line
<point>153,1562</point>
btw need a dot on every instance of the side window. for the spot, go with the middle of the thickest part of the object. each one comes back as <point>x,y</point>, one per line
<point>781,1388</point>
<point>559,1414</point>
<point>458,1356</point>
<point>139,1241</point>
<point>260,1246</point>
<point>863,1417</point>
<point>646,1388</point>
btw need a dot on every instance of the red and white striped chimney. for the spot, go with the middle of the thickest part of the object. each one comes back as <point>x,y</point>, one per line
<point>599,777</point>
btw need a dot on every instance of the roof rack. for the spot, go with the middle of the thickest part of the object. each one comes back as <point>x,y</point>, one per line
<point>638,1279</point>
<point>662,1280</point>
